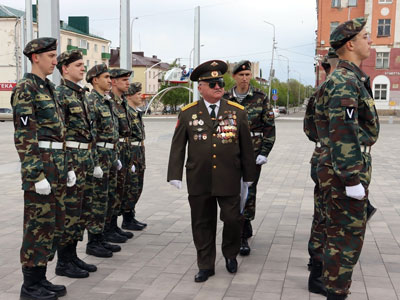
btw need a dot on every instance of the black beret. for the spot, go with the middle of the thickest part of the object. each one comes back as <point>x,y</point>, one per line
<point>209,70</point>
<point>241,66</point>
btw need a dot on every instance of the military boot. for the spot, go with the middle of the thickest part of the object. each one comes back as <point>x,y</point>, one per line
<point>332,296</point>
<point>114,225</point>
<point>315,284</point>
<point>371,210</point>
<point>79,262</point>
<point>111,236</point>
<point>31,289</point>
<point>95,247</point>
<point>130,223</point>
<point>65,266</point>
<point>108,246</point>
<point>247,229</point>
<point>244,247</point>
<point>59,289</point>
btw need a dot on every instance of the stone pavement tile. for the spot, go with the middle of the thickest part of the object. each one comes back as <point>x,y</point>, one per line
<point>240,291</point>
<point>275,265</point>
<point>275,275</point>
<point>357,296</point>
<point>177,296</point>
<point>296,282</point>
<point>161,286</point>
<point>119,275</point>
<point>358,286</point>
<point>270,286</point>
<point>381,293</point>
<point>138,283</point>
<point>107,287</point>
<point>245,278</point>
<point>295,294</point>
<point>208,293</point>
<point>264,296</point>
<point>188,288</point>
<point>9,296</point>
<point>125,294</point>
<point>374,270</point>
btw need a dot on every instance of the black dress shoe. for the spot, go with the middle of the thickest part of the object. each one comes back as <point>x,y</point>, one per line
<point>244,247</point>
<point>370,211</point>
<point>231,265</point>
<point>203,275</point>
<point>59,289</point>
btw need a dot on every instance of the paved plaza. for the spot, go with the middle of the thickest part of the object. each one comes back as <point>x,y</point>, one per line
<point>160,262</point>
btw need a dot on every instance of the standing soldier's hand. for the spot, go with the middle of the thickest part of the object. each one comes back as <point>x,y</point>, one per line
<point>176,183</point>
<point>119,165</point>
<point>71,179</point>
<point>261,159</point>
<point>97,172</point>
<point>356,191</point>
<point>133,168</point>
<point>43,187</point>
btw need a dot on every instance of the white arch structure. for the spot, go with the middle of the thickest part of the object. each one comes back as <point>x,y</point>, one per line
<point>163,92</point>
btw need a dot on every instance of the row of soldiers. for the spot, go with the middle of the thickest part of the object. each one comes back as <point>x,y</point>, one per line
<point>82,164</point>
<point>342,121</point>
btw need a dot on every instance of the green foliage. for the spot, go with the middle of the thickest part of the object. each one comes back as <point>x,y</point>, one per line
<point>175,97</point>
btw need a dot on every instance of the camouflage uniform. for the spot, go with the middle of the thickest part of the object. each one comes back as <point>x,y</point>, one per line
<point>347,125</point>
<point>262,127</point>
<point>38,119</point>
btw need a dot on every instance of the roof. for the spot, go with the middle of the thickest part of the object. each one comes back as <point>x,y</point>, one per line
<point>9,12</point>
<point>138,60</point>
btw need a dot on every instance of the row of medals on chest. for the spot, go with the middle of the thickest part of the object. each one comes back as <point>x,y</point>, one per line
<point>226,130</point>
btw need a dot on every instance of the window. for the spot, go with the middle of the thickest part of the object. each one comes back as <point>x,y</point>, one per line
<point>352,3</point>
<point>336,3</point>
<point>87,45</point>
<point>95,62</point>
<point>384,27</point>
<point>382,60</point>
<point>333,26</point>
<point>103,48</point>
<point>95,47</point>
<point>380,92</point>
<point>83,44</point>
<point>69,42</point>
<point>385,1</point>
<point>88,64</point>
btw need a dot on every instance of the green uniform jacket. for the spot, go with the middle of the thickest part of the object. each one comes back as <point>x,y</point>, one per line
<point>219,154</point>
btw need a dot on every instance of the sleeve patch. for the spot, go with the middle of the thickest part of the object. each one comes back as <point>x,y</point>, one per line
<point>350,113</point>
<point>24,120</point>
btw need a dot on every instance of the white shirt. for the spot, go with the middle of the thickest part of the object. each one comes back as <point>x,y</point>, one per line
<point>210,109</point>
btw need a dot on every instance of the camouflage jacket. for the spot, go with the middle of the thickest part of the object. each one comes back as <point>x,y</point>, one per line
<point>260,117</point>
<point>106,122</point>
<point>309,127</point>
<point>79,116</point>
<point>37,116</point>
<point>137,126</point>
<point>120,106</point>
<point>346,119</point>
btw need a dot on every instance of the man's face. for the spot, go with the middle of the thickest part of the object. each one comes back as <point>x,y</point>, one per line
<point>103,81</point>
<point>46,61</point>
<point>211,94</point>
<point>135,99</point>
<point>75,70</point>
<point>242,79</point>
<point>362,44</point>
<point>121,84</point>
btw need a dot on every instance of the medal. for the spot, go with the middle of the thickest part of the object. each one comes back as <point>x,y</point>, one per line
<point>195,122</point>
<point>190,123</point>
<point>204,136</point>
<point>195,137</point>
<point>201,122</point>
<point>194,116</point>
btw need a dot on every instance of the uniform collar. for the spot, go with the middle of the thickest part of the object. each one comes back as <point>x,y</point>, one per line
<point>72,85</point>
<point>249,92</point>
<point>354,68</point>
<point>39,81</point>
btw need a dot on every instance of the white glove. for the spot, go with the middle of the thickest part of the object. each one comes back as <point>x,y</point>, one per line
<point>133,168</point>
<point>98,172</point>
<point>355,191</point>
<point>176,183</point>
<point>43,187</point>
<point>119,165</point>
<point>248,183</point>
<point>261,159</point>
<point>71,179</point>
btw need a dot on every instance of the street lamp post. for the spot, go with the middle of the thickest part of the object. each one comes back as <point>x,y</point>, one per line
<point>190,66</point>
<point>133,19</point>
<point>272,60</point>
<point>288,95</point>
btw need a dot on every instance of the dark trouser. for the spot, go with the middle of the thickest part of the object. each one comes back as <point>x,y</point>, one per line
<point>249,211</point>
<point>345,228</point>
<point>44,215</point>
<point>204,226</point>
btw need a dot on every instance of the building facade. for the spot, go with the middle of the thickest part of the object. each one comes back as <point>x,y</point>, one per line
<point>73,35</point>
<point>383,64</point>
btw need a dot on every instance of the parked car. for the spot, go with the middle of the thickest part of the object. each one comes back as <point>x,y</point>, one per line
<point>6,114</point>
<point>282,109</point>
<point>276,112</point>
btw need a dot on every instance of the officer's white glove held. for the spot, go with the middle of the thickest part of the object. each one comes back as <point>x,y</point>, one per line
<point>98,172</point>
<point>71,179</point>
<point>176,183</point>
<point>133,168</point>
<point>355,191</point>
<point>119,165</point>
<point>248,183</point>
<point>261,159</point>
<point>43,187</point>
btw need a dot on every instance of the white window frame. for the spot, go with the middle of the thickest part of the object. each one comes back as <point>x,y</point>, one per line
<point>332,28</point>
<point>69,42</point>
<point>336,3</point>
<point>385,1</point>
<point>386,23</point>
<point>352,4</point>
<point>378,89</point>
<point>95,47</point>
<point>103,49</point>
<point>382,57</point>
<point>83,44</point>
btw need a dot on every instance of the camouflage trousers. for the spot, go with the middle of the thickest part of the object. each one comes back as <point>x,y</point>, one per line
<point>103,190</point>
<point>134,180</point>
<point>316,241</point>
<point>44,215</point>
<point>249,211</point>
<point>124,157</point>
<point>75,206</point>
<point>345,227</point>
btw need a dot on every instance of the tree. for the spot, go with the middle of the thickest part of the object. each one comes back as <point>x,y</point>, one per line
<point>175,97</point>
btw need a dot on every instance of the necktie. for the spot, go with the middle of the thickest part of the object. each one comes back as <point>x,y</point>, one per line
<point>212,114</point>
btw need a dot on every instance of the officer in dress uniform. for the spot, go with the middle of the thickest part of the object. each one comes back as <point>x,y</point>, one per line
<point>39,138</point>
<point>220,152</point>
<point>262,127</point>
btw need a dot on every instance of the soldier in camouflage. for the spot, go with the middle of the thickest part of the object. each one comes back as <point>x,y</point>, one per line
<point>347,125</point>
<point>136,164</point>
<point>120,84</point>
<point>79,117</point>
<point>262,127</point>
<point>317,238</point>
<point>39,139</point>
<point>106,148</point>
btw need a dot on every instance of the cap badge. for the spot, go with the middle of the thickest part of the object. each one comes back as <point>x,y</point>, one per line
<point>214,64</point>
<point>214,73</point>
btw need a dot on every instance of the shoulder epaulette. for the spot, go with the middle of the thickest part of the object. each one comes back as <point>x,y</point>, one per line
<point>189,105</point>
<point>236,105</point>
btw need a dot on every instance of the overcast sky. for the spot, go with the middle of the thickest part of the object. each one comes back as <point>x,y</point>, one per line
<point>230,30</point>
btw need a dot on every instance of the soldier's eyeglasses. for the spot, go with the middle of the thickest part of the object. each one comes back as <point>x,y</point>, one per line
<point>212,84</point>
